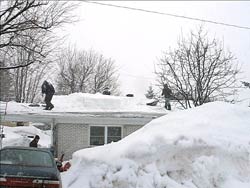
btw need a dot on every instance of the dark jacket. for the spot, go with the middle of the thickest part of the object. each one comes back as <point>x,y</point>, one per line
<point>47,88</point>
<point>106,92</point>
<point>33,143</point>
<point>166,92</point>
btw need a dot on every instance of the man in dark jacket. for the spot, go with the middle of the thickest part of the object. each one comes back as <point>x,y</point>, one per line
<point>49,91</point>
<point>34,142</point>
<point>167,94</point>
<point>106,91</point>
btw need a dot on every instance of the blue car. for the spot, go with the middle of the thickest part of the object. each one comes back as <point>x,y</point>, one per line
<point>28,167</point>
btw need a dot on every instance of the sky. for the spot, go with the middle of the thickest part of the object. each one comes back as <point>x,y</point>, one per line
<point>135,40</point>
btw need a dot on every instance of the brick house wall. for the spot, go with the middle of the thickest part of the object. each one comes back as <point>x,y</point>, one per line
<point>127,130</point>
<point>72,137</point>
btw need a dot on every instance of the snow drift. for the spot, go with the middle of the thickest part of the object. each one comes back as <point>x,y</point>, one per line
<point>203,147</point>
<point>19,136</point>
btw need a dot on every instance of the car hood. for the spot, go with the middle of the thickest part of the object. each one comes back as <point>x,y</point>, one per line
<point>29,172</point>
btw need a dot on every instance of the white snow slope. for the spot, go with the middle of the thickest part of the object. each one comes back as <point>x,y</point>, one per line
<point>18,136</point>
<point>203,147</point>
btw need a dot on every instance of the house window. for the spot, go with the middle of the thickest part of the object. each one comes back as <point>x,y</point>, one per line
<point>100,135</point>
<point>114,134</point>
<point>97,136</point>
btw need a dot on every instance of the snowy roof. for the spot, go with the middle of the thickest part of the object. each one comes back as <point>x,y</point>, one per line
<point>84,104</point>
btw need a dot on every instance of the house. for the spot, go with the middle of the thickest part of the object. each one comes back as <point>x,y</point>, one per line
<point>82,120</point>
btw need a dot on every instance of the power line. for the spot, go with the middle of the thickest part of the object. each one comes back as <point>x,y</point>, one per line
<point>168,14</point>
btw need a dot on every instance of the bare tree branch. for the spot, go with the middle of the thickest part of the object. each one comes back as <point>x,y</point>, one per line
<point>25,20</point>
<point>85,71</point>
<point>198,70</point>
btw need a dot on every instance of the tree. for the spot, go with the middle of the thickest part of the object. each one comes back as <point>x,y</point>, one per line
<point>198,70</point>
<point>29,21</point>
<point>150,93</point>
<point>104,75</point>
<point>85,71</point>
<point>6,92</point>
<point>26,79</point>
<point>27,43</point>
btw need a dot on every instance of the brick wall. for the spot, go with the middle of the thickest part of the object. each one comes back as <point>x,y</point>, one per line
<point>130,129</point>
<point>70,138</point>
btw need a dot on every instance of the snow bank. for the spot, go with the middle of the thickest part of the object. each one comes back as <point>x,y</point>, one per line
<point>18,136</point>
<point>203,147</point>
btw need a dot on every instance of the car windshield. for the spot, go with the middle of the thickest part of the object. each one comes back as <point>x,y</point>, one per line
<point>25,157</point>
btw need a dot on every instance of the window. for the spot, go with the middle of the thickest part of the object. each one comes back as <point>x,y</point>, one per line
<point>97,136</point>
<point>100,135</point>
<point>25,157</point>
<point>114,134</point>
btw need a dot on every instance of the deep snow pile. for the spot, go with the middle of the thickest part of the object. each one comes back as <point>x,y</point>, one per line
<point>203,147</point>
<point>86,103</point>
<point>19,136</point>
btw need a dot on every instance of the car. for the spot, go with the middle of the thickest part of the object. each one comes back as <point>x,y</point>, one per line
<point>28,167</point>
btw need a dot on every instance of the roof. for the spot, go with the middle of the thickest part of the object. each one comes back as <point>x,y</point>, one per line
<point>79,107</point>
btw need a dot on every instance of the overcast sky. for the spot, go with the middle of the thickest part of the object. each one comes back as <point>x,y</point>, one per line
<point>135,39</point>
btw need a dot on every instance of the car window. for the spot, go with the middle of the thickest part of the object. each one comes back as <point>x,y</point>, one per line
<point>25,157</point>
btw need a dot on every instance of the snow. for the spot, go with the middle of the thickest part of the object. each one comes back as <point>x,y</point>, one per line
<point>86,103</point>
<point>20,136</point>
<point>205,147</point>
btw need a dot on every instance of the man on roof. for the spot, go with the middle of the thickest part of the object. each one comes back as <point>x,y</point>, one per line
<point>49,91</point>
